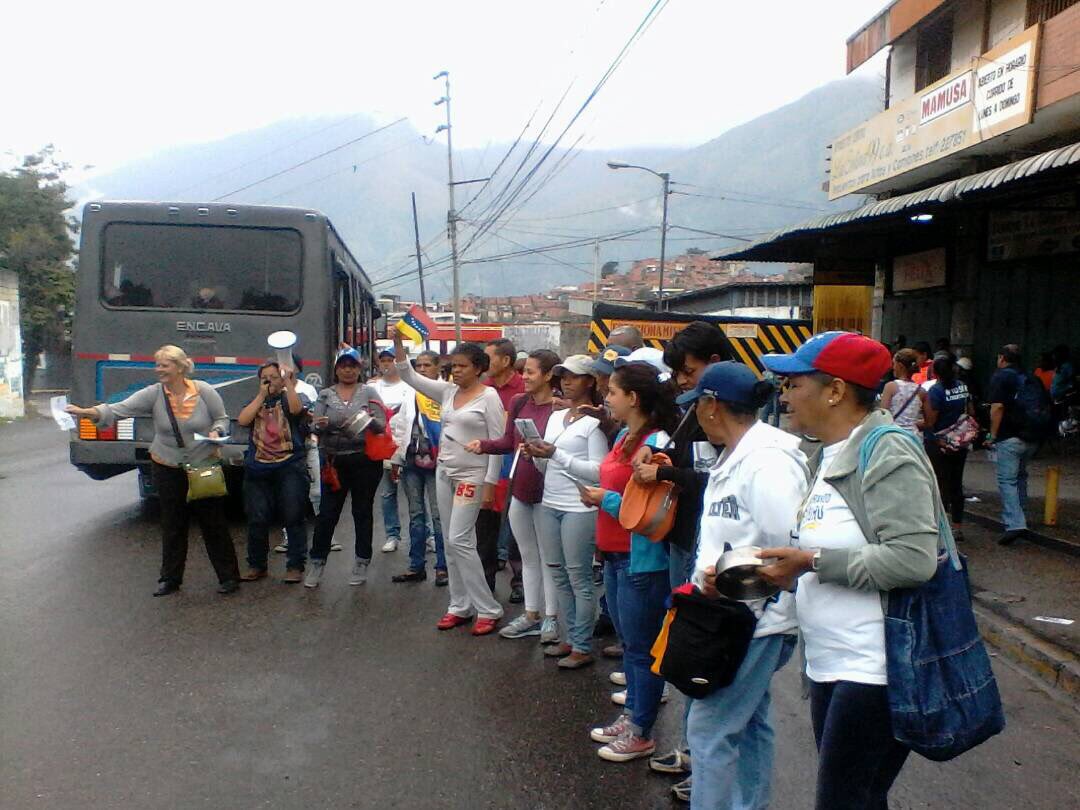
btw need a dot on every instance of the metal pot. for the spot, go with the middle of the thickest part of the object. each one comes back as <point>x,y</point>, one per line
<point>737,575</point>
<point>355,426</point>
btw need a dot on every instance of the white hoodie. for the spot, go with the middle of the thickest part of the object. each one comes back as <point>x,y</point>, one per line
<point>752,499</point>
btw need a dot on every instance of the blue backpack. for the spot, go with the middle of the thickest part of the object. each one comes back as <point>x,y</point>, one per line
<point>943,698</point>
<point>1033,413</point>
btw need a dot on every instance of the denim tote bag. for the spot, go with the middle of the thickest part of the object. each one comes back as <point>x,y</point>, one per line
<point>942,694</point>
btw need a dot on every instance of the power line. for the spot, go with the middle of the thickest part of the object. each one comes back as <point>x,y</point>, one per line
<point>336,172</point>
<point>265,155</point>
<point>311,159</point>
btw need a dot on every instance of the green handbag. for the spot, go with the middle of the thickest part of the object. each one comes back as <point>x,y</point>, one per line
<point>205,479</point>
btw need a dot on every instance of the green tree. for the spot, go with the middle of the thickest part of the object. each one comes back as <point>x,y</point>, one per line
<point>37,243</point>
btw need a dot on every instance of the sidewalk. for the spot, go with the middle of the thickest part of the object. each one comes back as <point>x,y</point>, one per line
<point>1038,577</point>
<point>980,482</point>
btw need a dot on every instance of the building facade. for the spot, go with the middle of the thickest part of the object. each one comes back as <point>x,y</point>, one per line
<point>975,167</point>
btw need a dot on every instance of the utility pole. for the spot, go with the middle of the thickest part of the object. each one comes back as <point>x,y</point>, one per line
<point>663,240</point>
<point>419,264</point>
<point>451,215</point>
<point>596,271</point>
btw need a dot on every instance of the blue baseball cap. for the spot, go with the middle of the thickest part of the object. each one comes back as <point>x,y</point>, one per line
<point>605,362</point>
<point>729,381</point>
<point>387,353</point>
<point>854,358</point>
<point>348,355</point>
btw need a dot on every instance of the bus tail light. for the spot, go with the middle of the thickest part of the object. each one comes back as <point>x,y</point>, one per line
<point>87,429</point>
<point>125,429</point>
<point>107,433</point>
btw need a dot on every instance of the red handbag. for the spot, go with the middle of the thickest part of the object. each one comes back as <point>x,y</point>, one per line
<point>380,446</point>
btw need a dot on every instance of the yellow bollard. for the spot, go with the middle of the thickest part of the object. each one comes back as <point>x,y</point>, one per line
<point>1053,473</point>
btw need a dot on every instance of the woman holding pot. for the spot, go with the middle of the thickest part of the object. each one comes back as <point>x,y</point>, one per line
<point>753,493</point>
<point>863,531</point>
<point>344,414</point>
<point>196,408</point>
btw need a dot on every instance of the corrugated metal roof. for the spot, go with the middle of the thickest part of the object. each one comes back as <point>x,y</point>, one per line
<point>951,191</point>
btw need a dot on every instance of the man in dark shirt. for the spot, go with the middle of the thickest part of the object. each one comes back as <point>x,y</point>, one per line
<point>494,540</point>
<point>1012,452</point>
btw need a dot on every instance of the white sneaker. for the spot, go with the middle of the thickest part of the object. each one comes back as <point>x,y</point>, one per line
<point>520,627</point>
<point>281,548</point>
<point>549,631</point>
<point>617,678</point>
<point>335,546</point>
<point>619,698</point>
<point>313,574</point>
<point>391,545</point>
<point>606,734</point>
<point>359,572</point>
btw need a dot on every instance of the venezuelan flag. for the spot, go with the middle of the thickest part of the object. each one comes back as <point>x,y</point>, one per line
<point>416,324</point>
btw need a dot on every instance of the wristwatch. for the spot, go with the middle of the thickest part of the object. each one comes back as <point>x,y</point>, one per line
<point>815,561</point>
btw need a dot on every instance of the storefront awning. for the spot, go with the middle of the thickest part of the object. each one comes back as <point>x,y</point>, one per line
<point>800,242</point>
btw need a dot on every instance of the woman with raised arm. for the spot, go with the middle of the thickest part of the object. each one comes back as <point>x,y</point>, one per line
<point>196,408</point>
<point>464,481</point>
<point>536,403</point>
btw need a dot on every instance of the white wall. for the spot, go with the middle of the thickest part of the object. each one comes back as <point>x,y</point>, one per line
<point>967,34</point>
<point>1007,18</point>
<point>902,69</point>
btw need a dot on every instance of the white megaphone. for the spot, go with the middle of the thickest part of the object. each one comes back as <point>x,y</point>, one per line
<point>282,343</point>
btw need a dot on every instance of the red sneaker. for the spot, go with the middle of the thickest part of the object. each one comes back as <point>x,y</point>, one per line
<point>451,620</point>
<point>484,626</point>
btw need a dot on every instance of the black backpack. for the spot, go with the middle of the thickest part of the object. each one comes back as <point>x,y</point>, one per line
<point>1033,414</point>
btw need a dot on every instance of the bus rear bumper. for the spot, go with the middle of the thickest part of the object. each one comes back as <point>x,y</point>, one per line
<point>104,459</point>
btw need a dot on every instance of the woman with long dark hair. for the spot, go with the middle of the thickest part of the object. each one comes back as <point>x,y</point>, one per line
<point>635,568</point>
<point>463,481</point>
<point>541,600</point>
<point>947,402</point>
<point>573,447</point>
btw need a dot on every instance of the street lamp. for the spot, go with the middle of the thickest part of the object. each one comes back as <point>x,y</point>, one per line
<point>618,164</point>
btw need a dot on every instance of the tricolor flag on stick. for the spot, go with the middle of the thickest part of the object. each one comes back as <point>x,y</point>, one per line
<point>416,324</point>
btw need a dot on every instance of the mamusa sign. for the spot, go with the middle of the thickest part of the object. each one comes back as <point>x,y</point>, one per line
<point>950,96</point>
<point>949,117</point>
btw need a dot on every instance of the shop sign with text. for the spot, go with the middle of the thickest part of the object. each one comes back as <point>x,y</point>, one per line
<point>919,271</point>
<point>952,115</point>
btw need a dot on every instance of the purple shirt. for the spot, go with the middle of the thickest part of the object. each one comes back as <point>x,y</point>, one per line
<point>528,481</point>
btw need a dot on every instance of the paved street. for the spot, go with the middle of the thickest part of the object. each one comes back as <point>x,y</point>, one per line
<point>281,697</point>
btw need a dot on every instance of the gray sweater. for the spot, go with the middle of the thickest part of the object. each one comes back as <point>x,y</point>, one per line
<point>209,414</point>
<point>895,502</point>
<point>333,439</point>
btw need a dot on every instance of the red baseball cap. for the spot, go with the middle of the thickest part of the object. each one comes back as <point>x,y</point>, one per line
<point>853,358</point>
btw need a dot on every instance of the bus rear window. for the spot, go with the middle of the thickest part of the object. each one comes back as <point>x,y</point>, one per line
<point>201,267</point>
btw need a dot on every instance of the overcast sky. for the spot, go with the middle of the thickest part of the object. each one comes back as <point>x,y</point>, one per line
<point>111,81</point>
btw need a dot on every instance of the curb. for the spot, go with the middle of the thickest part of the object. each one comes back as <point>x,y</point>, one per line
<point>1055,666</point>
<point>1034,536</point>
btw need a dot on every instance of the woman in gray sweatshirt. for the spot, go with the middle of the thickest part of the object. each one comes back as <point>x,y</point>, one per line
<point>463,481</point>
<point>198,409</point>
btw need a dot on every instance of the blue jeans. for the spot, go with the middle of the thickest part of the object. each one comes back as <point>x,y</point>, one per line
<point>419,486</point>
<point>730,735</point>
<point>679,564</point>
<point>616,568</point>
<point>277,496</point>
<point>504,541</point>
<point>568,542</point>
<point>642,605</point>
<point>1012,458</point>
<point>391,520</point>
<point>858,759</point>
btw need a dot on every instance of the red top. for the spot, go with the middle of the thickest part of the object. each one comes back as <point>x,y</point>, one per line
<point>514,386</point>
<point>615,473</point>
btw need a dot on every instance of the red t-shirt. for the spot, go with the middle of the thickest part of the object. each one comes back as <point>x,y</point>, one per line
<point>615,473</point>
<point>514,386</point>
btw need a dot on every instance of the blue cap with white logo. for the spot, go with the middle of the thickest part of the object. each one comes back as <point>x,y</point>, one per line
<point>729,381</point>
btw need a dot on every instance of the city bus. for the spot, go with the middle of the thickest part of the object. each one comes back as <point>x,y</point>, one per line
<point>215,279</point>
